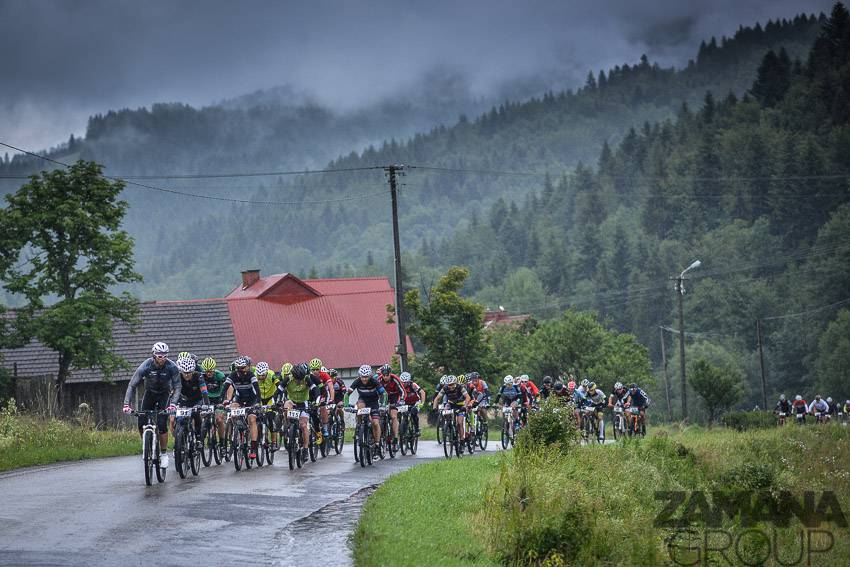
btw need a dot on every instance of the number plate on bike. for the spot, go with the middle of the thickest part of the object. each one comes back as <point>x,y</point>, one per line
<point>447,412</point>
<point>506,411</point>
<point>293,414</point>
<point>184,412</point>
<point>236,412</point>
<point>618,410</point>
<point>402,409</point>
<point>781,415</point>
<point>363,411</point>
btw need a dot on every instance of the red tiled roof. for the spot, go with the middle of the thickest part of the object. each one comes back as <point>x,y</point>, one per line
<point>281,318</point>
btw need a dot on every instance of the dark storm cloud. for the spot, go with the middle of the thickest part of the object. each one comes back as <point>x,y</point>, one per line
<point>63,60</point>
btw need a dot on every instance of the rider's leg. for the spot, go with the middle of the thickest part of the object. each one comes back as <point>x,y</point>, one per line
<point>394,422</point>
<point>376,428</point>
<point>252,426</point>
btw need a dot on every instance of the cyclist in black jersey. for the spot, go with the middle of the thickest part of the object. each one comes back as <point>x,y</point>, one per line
<point>457,398</point>
<point>371,394</point>
<point>243,390</point>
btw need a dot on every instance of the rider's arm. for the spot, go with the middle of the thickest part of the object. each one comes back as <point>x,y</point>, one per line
<point>204,391</point>
<point>176,385</point>
<point>134,382</point>
<point>256,385</point>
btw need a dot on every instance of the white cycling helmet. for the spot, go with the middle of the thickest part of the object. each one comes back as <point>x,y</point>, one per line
<point>509,380</point>
<point>517,380</point>
<point>618,386</point>
<point>405,377</point>
<point>798,397</point>
<point>159,348</point>
<point>186,364</point>
<point>524,378</point>
<point>585,382</point>
<point>829,400</point>
<point>451,379</point>
<point>324,369</point>
<point>262,368</point>
<point>443,380</point>
<point>782,397</point>
<point>365,371</point>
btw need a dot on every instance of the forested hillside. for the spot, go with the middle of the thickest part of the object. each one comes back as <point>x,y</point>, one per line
<point>754,186</point>
<point>197,249</point>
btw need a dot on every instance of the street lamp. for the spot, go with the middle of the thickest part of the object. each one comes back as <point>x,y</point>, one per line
<point>680,289</point>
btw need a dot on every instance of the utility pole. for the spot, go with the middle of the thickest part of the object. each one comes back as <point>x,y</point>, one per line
<point>392,171</point>
<point>760,341</point>
<point>680,291</point>
<point>664,371</point>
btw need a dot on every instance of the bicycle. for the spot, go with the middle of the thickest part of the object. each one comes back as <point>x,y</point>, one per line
<point>337,429</point>
<point>386,444</point>
<point>266,449</point>
<point>800,418</point>
<point>507,430</point>
<point>362,435</point>
<point>240,437</point>
<point>619,422</point>
<point>211,444</point>
<point>451,437</point>
<point>819,417</point>
<point>151,450</point>
<point>482,431</point>
<point>187,446</point>
<point>636,424</point>
<point>588,424</point>
<point>292,438</point>
<point>470,424</point>
<point>408,440</point>
<point>780,417</point>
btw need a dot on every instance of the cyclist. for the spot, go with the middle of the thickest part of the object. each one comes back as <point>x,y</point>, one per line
<point>800,408</point>
<point>596,399</point>
<point>269,394</point>
<point>530,386</point>
<point>162,391</point>
<point>818,406</point>
<point>546,390</point>
<point>618,394</point>
<point>243,389</point>
<point>638,398</point>
<point>479,392</point>
<point>215,390</point>
<point>782,406</point>
<point>414,396</point>
<point>846,408</point>
<point>457,398</point>
<point>193,390</point>
<point>371,394</point>
<point>340,390</point>
<point>512,396</point>
<point>561,392</point>
<point>299,388</point>
<point>832,412</point>
<point>326,396</point>
<point>395,392</point>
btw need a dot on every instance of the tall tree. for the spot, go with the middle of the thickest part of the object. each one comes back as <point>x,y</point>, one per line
<point>66,226</point>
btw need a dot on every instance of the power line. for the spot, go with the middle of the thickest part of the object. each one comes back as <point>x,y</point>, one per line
<point>130,182</point>
<point>807,312</point>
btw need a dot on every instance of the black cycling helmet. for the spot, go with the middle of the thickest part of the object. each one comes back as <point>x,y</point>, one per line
<point>633,386</point>
<point>558,386</point>
<point>386,370</point>
<point>300,371</point>
<point>547,380</point>
<point>333,373</point>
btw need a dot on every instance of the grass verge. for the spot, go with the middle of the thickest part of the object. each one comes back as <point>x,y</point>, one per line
<point>597,505</point>
<point>27,441</point>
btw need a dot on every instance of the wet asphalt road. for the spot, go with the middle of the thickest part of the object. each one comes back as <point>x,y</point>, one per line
<point>101,513</point>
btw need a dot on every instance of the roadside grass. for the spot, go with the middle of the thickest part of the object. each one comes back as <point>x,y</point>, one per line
<point>27,441</point>
<point>423,516</point>
<point>597,504</point>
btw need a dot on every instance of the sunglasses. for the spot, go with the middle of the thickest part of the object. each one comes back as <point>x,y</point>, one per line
<point>159,356</point>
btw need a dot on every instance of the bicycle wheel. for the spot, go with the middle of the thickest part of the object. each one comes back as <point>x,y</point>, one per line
<point>227,442</point>
<point>505,437</point>
<point>414,444</point>
<point>439,430</point>
<point>206,447</point>
<point>366,449</point>
<point>147,455</point>
<point>246,447</point>
<point>270,451</point>
<point>356,443</point>
<point>216,446</point>
<point>448,444</point>
<point>261,446</point>
<point>195,453</point>
<point>180,463</point>
<point>390,440</point>
<point>160,471</point>
<point>313,450</point>
<point>339,434</point>
<point>402,434</point>
<point>291,445</point>
<point>236,448</point>
<point>616,424</point>
<point>484,436</point>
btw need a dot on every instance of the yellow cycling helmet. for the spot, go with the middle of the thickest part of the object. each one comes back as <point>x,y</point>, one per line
<point>461,379</point>
<point>316,364</point>
<point>208,364</point>
<point>286,369</point>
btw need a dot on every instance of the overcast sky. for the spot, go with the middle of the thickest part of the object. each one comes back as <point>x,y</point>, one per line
<point>63,60</point>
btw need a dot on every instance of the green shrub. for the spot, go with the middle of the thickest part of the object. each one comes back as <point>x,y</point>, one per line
<point>554,426</point>
<point>749,476</point>
<point>744,420</point>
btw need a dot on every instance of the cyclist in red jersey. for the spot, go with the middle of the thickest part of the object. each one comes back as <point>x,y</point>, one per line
<point>325,397</point>
<point>414,396</point>
<point>340,390</point>
<point>395,392</point>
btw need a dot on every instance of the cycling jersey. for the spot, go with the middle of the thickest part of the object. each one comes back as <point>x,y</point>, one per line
<point>456,396</point>
<point>818,405</point>
<point>579,395</point>
<point>215,385</point>
<point>412,392</point>
<point>783,407</point>
<point>159,381</point>
<point>394,387</point>
<point>799,406</point>
<point>620,397</point>
<point>638,398</point>
<point>340,390</point>
<point>193,391</point>
<point>508,393</point>
<point>246,386</point>
<point>596,399</point>
<point>531,388</point>
<point>268,387</point>
<point>368,391</point>
<point>302,391</point>
<point>479,390</point>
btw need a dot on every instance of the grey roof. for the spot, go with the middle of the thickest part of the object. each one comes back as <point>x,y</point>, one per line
<point>202,327</point>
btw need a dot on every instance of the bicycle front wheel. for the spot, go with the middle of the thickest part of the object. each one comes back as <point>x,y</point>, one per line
<point>147,456</point>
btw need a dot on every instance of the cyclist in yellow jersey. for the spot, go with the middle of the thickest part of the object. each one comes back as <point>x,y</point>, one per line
<point>268,394</point>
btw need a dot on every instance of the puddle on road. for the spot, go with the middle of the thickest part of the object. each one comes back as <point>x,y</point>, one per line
<point>325,532</point>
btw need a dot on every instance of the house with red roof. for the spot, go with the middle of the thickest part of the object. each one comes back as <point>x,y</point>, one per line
<point>278,318</point>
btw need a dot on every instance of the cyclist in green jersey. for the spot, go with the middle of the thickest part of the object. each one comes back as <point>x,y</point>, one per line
<point>215,390</point>
<point>300,389</point>
<point>269,394</point>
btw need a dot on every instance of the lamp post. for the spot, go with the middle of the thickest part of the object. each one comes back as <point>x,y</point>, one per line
<point>680,289</point>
